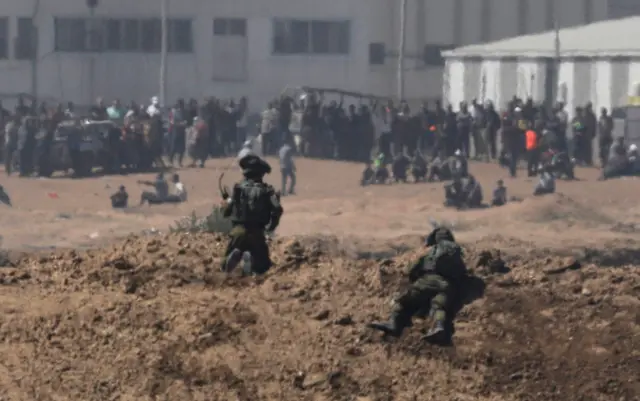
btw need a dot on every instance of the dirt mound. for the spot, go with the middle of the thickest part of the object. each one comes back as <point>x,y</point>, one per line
<point>560,208</point>
<point>152,318</point>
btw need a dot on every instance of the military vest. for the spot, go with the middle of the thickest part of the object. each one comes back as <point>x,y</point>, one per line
<point>252,203</point>
<point>446,259</point>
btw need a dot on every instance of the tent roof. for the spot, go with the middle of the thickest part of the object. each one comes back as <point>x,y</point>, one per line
<point>610,38</point>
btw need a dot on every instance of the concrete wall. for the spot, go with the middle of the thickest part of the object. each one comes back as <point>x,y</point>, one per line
<point>259,73</point>
<point>136,76</point>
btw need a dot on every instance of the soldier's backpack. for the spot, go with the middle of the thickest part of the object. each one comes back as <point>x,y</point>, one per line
<point>252,203</point>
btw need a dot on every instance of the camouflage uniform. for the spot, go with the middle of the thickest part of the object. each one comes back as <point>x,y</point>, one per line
<point>253,207</point>
<point>434,278</point>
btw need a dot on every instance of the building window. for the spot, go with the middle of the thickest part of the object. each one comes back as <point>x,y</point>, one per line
<point>432,54</point>
<point>70,35</point>
<point>150,35</point>
<point>122,35</point>
<point>113,37</point>
<point>4,38</point>
<point>377,53</point>
<point>230,27</point>
<point>311,37</point>
<point>25,41</point>
<point>622,8</point>
<point>95,34</point>
<point>180,36</point>
<point>130,35</point>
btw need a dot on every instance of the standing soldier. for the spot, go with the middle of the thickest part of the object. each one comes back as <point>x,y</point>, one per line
<point>253,207</point>
<point>434,280</point>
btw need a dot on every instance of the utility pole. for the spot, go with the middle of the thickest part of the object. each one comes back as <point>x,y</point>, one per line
<point>33,48</point>
<point>163,52</point>
<point>401,49</point>
<point>92,41</point>
<point>557,60</point>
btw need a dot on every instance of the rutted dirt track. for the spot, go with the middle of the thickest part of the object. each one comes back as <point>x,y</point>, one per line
<point>151,318</point>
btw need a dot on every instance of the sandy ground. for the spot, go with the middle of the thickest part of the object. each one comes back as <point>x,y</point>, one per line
<point>329,201</point>
<point>150,318</point>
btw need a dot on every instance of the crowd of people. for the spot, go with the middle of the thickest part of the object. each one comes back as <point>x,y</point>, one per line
<point>394,142</point>
<point>210,129</point>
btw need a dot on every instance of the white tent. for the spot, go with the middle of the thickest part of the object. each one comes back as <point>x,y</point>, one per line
<point>599,62</point>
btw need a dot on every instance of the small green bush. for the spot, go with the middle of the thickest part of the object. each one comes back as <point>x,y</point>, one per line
<point>215,222</point>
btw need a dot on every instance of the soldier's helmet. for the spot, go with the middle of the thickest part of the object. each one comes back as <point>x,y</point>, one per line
<point>252,164</point>
<point>438,235</point>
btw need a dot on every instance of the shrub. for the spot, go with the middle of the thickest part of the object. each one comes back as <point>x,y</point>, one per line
<point>4,256</point>
<point>215,222</point>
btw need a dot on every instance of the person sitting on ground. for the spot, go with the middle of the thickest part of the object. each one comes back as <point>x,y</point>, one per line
<point>458,164</point>
<point>418,167</point>
<point>634,159</point>
<point>161,191</point>
<point>499,194</point>
<point>180,194</point>
<point>454,194</point>
<point>547,183</point>
<point>473,193</point>
<point>399,167</point>
<point>618,164</point>
<point>120,199</point>
<point>380,169</point>
<point>367,175</point>
<point>618,148</point>
<point>4,196</point>
<point>440,168</point>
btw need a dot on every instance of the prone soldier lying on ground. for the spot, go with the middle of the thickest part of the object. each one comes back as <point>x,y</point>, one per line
<point>435,281</point>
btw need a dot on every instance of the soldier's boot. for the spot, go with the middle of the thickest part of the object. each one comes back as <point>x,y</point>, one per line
<point>439,334</point>
<point>247,264</point>
<point>232,261</point>
<point>398,321</point>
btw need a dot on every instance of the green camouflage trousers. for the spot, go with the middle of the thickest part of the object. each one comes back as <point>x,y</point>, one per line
<point>430,289</point>
<point>253,241</point>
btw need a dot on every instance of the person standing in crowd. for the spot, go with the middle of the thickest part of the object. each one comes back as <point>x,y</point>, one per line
<point>591,130</point>
<point>287,169</point>
<point>177,133</point>
<point>605,136</point>
<point>533,152</point>
<point>580,137</point>
<point>11,142</point>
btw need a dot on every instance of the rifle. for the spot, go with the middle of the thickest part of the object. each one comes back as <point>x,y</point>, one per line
<point>224,190</point>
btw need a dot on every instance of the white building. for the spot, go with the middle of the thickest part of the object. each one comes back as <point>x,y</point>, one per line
<point>600,63</point>
<point>230,48</point>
